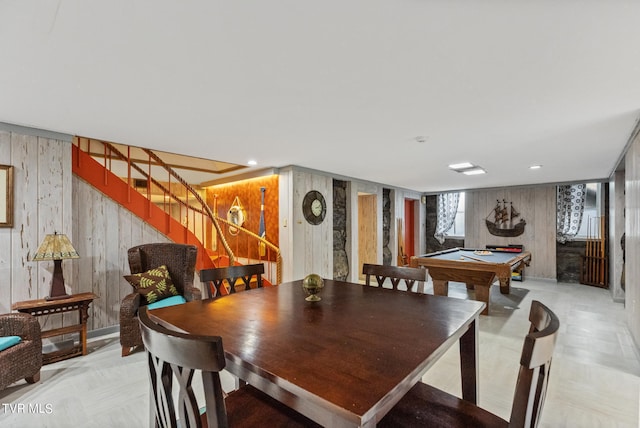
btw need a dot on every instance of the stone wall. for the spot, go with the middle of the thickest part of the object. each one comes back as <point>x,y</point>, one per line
<point>386,227</point>
<point>432,244</point>
<point>340,259</point>
<point>568,261</point>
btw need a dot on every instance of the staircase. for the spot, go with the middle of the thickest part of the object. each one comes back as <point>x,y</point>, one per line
<point>171,206</point>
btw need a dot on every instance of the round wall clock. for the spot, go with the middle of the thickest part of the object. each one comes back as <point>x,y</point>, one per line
<point>314,207</point>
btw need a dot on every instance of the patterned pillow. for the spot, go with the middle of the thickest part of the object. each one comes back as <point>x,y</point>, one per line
<point>153,285</point>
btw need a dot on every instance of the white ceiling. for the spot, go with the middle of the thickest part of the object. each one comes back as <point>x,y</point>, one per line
<point>339,86</point>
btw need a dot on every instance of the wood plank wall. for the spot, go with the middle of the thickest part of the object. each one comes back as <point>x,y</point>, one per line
<point>48,198</point>
<point>632,239</point>
<point>305,248</point>
<point>616,229</point>
<point>536,205</point>
<point>103,233</point>
<point>42,205</point>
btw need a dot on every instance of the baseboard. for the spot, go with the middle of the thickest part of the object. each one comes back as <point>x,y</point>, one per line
<point>103,331</point>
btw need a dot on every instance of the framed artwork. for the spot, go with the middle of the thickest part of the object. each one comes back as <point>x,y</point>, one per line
<point>6,196</point>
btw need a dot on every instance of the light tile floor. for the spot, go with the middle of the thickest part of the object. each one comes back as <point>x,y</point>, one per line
<point>595,379</point>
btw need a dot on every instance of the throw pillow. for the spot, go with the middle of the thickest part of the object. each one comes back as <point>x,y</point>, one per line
<point>9,341</point>
<point>153,285</point>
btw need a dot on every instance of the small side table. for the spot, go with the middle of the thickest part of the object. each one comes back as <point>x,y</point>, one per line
<point>75,302</point>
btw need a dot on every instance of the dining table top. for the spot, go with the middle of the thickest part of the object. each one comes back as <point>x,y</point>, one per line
<point>342,361</point>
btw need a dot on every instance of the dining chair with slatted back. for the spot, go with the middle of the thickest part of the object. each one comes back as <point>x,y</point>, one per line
<point>396,275</point>
<point>250,276</point>
<point>425,405</point>
<point>175,358</point>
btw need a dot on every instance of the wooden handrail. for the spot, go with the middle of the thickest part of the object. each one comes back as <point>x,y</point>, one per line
<point>204,205</point>
<point>262,240</point>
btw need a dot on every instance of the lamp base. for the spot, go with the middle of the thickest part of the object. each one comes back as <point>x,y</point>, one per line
<point>58,291</point>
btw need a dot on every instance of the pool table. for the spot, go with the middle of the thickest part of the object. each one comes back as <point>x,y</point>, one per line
<point>473,268</point>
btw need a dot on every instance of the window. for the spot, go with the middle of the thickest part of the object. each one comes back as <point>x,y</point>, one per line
<point>457,230</point>
<point>590,226</point>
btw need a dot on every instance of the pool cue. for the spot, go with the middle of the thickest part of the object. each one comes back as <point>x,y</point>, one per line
<point>594,251</point>
<point>602,262</point>
<point>476,258</point>
<point>587,253</point>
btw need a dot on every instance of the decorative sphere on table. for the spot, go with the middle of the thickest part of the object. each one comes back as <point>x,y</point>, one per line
<point>312,284</point>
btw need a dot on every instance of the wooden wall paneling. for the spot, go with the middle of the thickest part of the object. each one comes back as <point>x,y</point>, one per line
<point>75,227</point>
<point>65,198</point>
<point>536,205</point>
<point>546,245</point>
<point>470,230</point>
<point>6,235</point>
<point>616,229</point>
<point>50,188</point>
<point>83,193</point>
<point>125,220</point>
<point>632,239</point>
<point>302,253</point>
<point>99,265</point>
<point>312,249</point>
<point>25,273</point>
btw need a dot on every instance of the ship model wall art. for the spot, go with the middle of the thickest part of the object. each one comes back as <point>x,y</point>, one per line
<point>501,221</point>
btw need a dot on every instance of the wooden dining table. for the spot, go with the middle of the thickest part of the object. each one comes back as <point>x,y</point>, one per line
<point>343,361</point>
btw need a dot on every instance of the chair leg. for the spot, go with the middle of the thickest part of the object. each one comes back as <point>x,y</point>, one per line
<point>33,379</point>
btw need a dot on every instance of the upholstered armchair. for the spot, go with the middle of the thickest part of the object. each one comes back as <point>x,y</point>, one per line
<point>23,360</point>
<point>180,260</point>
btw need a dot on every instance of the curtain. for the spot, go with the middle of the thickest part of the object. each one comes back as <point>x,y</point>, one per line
<point>570,206</point>
<point>446,214</point>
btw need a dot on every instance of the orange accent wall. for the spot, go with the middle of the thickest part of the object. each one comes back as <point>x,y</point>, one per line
<point>248,191</point>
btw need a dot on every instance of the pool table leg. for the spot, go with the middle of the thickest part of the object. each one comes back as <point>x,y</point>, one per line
<point>505,285</point>
<point>440,287</point>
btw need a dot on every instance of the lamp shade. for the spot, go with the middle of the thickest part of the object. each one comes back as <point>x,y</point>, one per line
<point>55,247</point>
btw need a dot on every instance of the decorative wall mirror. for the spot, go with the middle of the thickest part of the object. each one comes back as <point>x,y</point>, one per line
<point>6,196</point>
<point>236,215</point>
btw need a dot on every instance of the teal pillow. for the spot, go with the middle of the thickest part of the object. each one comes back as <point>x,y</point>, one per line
<point>9,341</point>
<point>169,301</point>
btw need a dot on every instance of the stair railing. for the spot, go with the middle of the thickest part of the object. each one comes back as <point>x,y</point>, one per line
<point>191,212</point>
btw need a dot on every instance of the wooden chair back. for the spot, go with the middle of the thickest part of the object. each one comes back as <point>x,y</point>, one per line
<point>535,365</point>
<point>217,278</point>
<point>180,260</point>
<point>426,405</point>
<point>395,275</point>
<point>174,356</point>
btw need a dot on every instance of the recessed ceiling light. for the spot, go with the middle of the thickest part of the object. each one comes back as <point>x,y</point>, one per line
<point>474,171</point>
<point>535,167</point>
<point>252,163</point>
<point>462,165</point>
